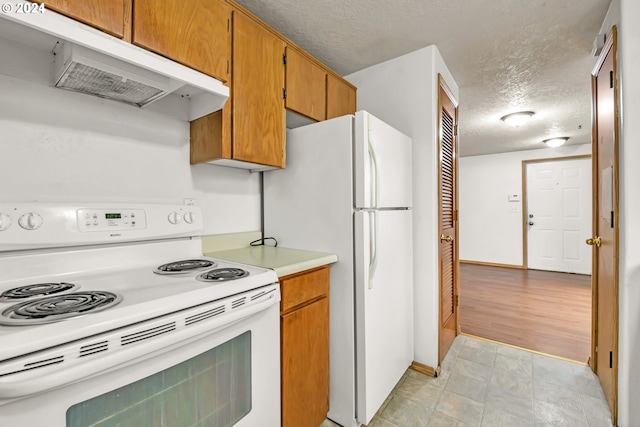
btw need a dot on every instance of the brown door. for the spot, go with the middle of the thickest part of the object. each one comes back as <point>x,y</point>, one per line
<point>604,360</point>
<point>447,148</point>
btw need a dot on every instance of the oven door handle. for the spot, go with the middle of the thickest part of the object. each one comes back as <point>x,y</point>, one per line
<point>18,377</point>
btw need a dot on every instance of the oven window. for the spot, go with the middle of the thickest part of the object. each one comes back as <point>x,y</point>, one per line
<point>211,389</point>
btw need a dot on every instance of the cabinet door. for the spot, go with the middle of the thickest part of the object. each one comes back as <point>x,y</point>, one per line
<point>194,33</point>
<point>306,85</point>
<point>341,97</point>
<point>305,365</point>
<point>108,16</point>
<point>258,81</point>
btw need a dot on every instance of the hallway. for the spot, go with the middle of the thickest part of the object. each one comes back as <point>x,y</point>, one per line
<point>544,311</point>
<point>487,384</point>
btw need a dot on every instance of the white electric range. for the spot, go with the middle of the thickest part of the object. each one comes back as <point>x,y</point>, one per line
<point>103,300</point>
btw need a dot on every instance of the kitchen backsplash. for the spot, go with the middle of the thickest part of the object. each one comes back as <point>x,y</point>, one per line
<point>61,145</point>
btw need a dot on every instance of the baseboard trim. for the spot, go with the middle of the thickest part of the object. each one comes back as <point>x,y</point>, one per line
<point>425,369</point>
<point>492,264</point>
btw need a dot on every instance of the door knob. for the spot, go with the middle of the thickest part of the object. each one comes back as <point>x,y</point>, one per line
<point>530,222</point>
<point>594,241</point>
<point>444,238</point>
<point>530,215</point>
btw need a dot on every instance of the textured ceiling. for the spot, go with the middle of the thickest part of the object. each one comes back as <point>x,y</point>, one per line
<point>505,55</point>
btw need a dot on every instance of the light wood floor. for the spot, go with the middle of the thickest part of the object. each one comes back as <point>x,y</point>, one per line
<point>538,310</point>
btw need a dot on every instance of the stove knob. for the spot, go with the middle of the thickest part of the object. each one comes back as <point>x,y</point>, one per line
<point>189,217</point>
<point>5,221</point>
<point>174,217</point>
<point>30,221</point>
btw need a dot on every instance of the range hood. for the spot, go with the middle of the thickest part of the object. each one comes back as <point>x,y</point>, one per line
<point>83,70</point>
<point>95,63</point>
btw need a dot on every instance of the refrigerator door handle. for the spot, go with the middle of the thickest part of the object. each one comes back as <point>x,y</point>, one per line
<point>373,246</point>
<point>373,166</point>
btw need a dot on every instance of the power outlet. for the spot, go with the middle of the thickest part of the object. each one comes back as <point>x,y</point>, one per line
<point>514,209</point>
<point>190,202</point>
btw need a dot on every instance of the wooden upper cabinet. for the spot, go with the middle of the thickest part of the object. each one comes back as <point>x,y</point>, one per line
<point>194,33</point>
<point>249,132</point>
<point>108,16</point>
<point>305,84</point>
<point>258,132</point>
<point>341,97</point>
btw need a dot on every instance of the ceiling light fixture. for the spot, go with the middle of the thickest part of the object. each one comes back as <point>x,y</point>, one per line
<point>556,142</point>
<point>517,119</point>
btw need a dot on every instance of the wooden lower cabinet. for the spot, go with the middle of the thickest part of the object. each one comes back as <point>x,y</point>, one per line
<point>304,329</point>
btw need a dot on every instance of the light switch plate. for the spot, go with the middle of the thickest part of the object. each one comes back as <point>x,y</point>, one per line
<point>514,197</point>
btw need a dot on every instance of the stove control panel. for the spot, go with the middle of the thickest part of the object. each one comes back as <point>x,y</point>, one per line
<point>111,219</point>
<point>30,221</point>
<point>5,221</point>
<point>38,225</point>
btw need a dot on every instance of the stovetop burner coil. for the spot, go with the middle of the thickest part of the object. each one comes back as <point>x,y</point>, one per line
<point>36,290</point>
<point>54,308</point>
<point>184,266</point>
<point>223,274</point>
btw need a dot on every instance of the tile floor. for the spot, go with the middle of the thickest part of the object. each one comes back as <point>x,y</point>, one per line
<point>487,384</point>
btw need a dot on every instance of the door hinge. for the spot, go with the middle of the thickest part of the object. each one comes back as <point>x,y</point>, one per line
<point>611,219</point>
<point>455,214</point>
<point>610,79</point>
<point>228,25</point>
<point>284,58</point>
<point>284,93</point>
<point>455,130</point>
<point>457,300</point>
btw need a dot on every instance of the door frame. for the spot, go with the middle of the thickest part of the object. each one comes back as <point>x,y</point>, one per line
<point>525,237</point>
<point>442,84</point>
<point>610,46</point>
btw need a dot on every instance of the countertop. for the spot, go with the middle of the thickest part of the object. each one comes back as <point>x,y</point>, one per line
<point>283,261</point>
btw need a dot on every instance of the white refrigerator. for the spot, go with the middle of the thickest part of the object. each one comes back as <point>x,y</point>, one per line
<point>347,190</point>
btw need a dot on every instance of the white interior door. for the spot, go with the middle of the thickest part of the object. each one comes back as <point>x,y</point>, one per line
<point>559,215</point>
<point>382,173</point>
<point>384,305</point>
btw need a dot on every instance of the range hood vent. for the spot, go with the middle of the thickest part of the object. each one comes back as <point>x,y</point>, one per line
<point>92,62</point>
<point>82,70</point>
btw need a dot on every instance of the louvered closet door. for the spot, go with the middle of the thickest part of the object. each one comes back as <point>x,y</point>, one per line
<point>447,126</point>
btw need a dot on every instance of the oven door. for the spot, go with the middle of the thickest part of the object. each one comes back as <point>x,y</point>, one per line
<point>229,377</point>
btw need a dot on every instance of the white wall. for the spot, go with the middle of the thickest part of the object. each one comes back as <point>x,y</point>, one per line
<point>489,231</point>
<point>60,145</point>
<point>629,280</point>
<point>404,92</point>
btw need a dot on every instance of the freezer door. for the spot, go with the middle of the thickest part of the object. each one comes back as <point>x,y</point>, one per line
<point>384,307</point>
<point>382,174</point>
